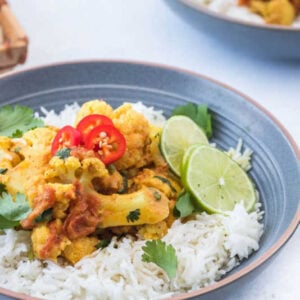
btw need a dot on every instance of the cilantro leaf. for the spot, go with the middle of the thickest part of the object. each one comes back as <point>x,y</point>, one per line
<point>12,212</point>
<point>6,224</point>
<point>133,215</point>
<point>167,181</point>
<point>103,244</point>
<point>45,216</point>
<point>16,120</point>
<point>184,205</point>
<point>3,170</point>
<point>63,153</point>
<point>198,113</point>
<point>2,188</point>
<point>162,255</point>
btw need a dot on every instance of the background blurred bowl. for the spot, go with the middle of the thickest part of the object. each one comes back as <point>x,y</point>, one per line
<point>267,41</point>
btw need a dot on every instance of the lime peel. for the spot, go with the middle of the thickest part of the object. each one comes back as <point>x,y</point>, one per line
<point>216,181</point>
<point>178,134</point>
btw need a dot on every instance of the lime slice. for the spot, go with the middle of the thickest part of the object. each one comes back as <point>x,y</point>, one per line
<point>216,181</point>
<point>178,134</point>
<point>186,156</point>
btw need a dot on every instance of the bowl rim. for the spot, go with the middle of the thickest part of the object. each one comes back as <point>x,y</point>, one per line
<point>204,10</point>
<point>239,274</point>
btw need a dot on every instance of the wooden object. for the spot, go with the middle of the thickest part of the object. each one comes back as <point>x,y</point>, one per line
<point>13,50</point>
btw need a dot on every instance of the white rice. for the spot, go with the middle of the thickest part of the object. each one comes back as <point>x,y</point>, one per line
<point>242,158</point>
<point>62,118</point>
<point>67,115</point>
<point>232,9</point>
<point>207,247</point>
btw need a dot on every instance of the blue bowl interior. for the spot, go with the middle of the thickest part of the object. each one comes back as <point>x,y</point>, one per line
<point>275,168</point>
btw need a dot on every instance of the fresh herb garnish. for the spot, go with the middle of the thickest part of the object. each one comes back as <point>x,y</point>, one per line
<point>45,216</point>
<point>162,255</point>
<point>16,120</point>
<point>63,153</point>
<point>111,168</point>
<point>167,181</point>
<point>102,244</point>
<point>2,189</point>
<point>5,224</point>
<point>123,189</point>
<point>17,149</point>
<point>198,113</point>
<point>3,171</point>
<point>184,205</point>
<point>12,212</point>
<point>133,215</point>
<point>157,195</point>
<point>30,255</point>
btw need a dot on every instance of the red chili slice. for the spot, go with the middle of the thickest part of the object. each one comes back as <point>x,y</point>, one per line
<point>88,123</point>
<point>107,142</point>
<point>66,137</point>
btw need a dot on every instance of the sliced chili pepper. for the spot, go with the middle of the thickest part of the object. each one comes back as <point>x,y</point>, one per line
<point>107,142</point>
<point>66,137</point>
<point>88,123</point>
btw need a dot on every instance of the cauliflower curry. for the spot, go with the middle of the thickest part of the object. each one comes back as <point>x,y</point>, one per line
<point>281,12</point>
<point>86,185</point>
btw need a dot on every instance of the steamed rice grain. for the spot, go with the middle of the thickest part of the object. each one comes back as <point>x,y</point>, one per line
<point>207,247</point>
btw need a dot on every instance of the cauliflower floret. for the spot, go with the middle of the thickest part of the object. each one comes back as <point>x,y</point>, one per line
<point>5,142</point>
<point>48,240</point>
<point>275,11</point>
<point>80,248</point>
<point>164,183</point>
<point>92,168</point>
<point>39,139</point>
<point>141,139</point>
<point>145,206</point>
<point>8,155</point>
<point>62,170</point>
<point>70,169</point>
<point>27,175</point>
<point>136,130</point>
<point>94,107</point>
<point>153,148</point>
<point>153,231</point>
<point>64,193</point>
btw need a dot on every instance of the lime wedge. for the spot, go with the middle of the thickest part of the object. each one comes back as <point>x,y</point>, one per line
<point>178,134</point>
<point>186,156</point>
<point>216,181</point>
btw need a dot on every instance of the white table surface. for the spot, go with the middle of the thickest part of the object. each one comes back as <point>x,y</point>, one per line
<point>149,31</point>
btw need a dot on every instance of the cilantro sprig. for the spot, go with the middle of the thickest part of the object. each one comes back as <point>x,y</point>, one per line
<point>184,205</point>
<point>45,216</point>
<point>2,188</point>
<point>133,215</point>
<point>16,120</point>
<point>63,153</point>
<point>103,244</point>
<point>198,113</point>
<point>13,211</point>
<point>3,171</point>
<point>162,255</point>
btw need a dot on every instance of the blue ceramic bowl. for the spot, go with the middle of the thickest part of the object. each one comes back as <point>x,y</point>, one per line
<point>276,157</point>
<point>266,41</point>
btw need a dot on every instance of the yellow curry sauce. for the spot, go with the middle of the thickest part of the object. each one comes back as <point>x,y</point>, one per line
<point>88,202</point>
<point>281,12</point>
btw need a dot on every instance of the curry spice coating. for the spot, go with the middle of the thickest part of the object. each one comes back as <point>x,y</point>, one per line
<point>281,12</point>
<point>86,201</point>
